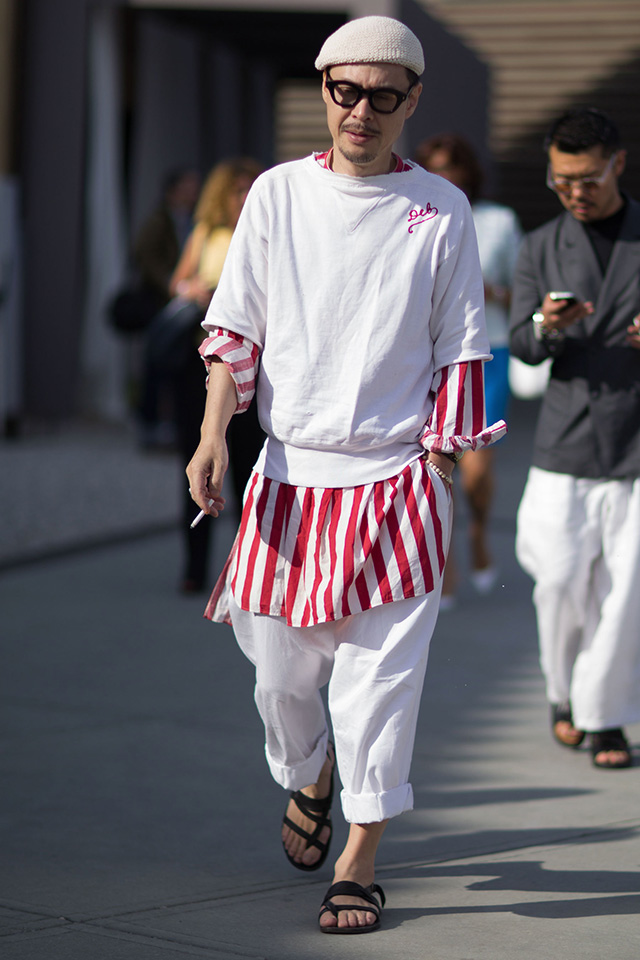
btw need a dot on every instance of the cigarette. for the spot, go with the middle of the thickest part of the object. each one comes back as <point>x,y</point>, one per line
<point>196,520</point>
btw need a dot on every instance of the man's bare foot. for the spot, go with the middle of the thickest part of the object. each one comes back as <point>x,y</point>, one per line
<point>359,917</point>
<point>562,726</point>
<point>296,846</point>
<point>610,749</point>
<point>357,864</point>
<point>566,734</point>
<point>348,907</point>
<point>612,759</point>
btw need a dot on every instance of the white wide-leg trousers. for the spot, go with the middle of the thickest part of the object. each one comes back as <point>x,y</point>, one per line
<point>580,541</point>
<point>374,663</point>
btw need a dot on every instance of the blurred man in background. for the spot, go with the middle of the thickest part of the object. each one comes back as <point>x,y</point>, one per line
<point>576,298</point>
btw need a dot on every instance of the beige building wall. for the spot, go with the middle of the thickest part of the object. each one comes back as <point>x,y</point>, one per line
<point>544,57</point>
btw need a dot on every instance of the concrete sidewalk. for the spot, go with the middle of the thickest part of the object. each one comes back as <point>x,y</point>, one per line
<point>139,821</point>
<point>80,485</point>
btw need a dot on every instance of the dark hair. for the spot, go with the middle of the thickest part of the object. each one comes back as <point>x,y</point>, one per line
<point>461,154</point>
<point>173,178</point>
<point>579,130</point>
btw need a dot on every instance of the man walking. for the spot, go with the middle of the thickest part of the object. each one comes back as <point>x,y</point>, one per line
<point>576,298</point>
<point>353,278</point>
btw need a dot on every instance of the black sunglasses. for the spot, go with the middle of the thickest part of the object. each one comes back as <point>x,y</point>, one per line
<point>381,99</point>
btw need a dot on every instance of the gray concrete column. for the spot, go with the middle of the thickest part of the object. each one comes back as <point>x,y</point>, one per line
<point>52,153</point>
<point>223,103</point>
<point>259,117</point>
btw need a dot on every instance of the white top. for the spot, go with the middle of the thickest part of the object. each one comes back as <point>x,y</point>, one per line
<point>350,341</point>
<point>499,238</point>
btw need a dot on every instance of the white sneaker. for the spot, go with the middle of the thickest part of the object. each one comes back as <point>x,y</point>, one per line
<point>483,581</point>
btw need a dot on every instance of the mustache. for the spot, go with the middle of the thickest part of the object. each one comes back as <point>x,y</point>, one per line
<point>351,127</point>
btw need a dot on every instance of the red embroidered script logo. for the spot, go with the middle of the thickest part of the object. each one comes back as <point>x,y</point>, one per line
<point>417,216</point>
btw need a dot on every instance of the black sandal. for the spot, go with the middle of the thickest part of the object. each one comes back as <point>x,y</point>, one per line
<point>347,888</point>
<point>318,811</point>
<point>602,741</point>
<point>561,713</point>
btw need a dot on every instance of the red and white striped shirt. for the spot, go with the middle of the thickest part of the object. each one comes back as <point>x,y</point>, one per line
<point>316,554</point>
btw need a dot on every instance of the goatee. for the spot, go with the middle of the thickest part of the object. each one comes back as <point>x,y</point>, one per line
<point>356,158</point>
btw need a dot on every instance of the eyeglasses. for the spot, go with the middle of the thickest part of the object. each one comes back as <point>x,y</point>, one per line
<point>565,185</point>
<point>381,99</point>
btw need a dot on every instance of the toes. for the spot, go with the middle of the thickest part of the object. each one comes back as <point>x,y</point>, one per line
<point>292,843</point>
<point>612,758</point>
<point>566,733</point>
<point>295,845</point>
<point>328,920</point>
<point>311,854</point>
<point>348,918</point>
<point>356,918</point>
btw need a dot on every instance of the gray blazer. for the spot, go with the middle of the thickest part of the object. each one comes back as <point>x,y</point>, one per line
<point>589,424</point>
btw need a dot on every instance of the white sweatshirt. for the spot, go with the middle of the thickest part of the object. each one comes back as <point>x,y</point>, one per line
<point>356,291</point>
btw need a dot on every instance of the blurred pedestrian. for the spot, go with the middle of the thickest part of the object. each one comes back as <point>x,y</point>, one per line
<point>193,282</point>
<point>162,236</point>
<point>576,299</point>
<point>499,236</point>
<point>156,251</point>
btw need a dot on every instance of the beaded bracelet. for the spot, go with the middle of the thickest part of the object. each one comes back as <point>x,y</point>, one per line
<point>441,473</point>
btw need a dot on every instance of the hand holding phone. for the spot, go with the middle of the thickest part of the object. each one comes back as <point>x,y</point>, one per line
<point>560,309</point>
<point>559,295</point>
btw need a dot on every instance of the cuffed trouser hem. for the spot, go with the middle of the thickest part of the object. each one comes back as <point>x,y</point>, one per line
<point>592,725</point>
<point>584,556</point>
<point>374,663</point>
<point>301,774</point>
<point>374,807</point>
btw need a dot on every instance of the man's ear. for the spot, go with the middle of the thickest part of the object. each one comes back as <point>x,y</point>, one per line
<point>412,100</point>
<point>620,163</point>
<point>325,93</point>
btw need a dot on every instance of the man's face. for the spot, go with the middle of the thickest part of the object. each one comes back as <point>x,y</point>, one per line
<point>584,201</point>
<point>362,138</point>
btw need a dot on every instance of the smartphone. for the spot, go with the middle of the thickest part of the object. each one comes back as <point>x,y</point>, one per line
<point>564,295</point>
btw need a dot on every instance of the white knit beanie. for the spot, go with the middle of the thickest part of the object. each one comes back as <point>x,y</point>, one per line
<point>372,40</point>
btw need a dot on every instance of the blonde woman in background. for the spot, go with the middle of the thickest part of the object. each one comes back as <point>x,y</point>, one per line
<point>193,282</point>
<point>216,215</point>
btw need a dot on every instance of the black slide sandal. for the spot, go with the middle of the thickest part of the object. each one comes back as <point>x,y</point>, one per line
<point>347,888</point>
<point>318,811</point>
<point>605,741</point>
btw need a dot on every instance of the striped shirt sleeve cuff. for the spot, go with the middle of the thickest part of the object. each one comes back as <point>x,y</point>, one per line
<point>241,358</point>
<point>458,420</point>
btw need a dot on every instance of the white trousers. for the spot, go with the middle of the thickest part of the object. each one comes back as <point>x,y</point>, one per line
<point>374,663</point>
<point>580,541</point>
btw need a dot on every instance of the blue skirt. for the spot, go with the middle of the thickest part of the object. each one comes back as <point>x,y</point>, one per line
<point>496,385</point>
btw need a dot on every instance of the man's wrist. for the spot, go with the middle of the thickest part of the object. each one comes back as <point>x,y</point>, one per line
<point>440,460</point>
<point>541,332</point>
<point>448,479</point>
